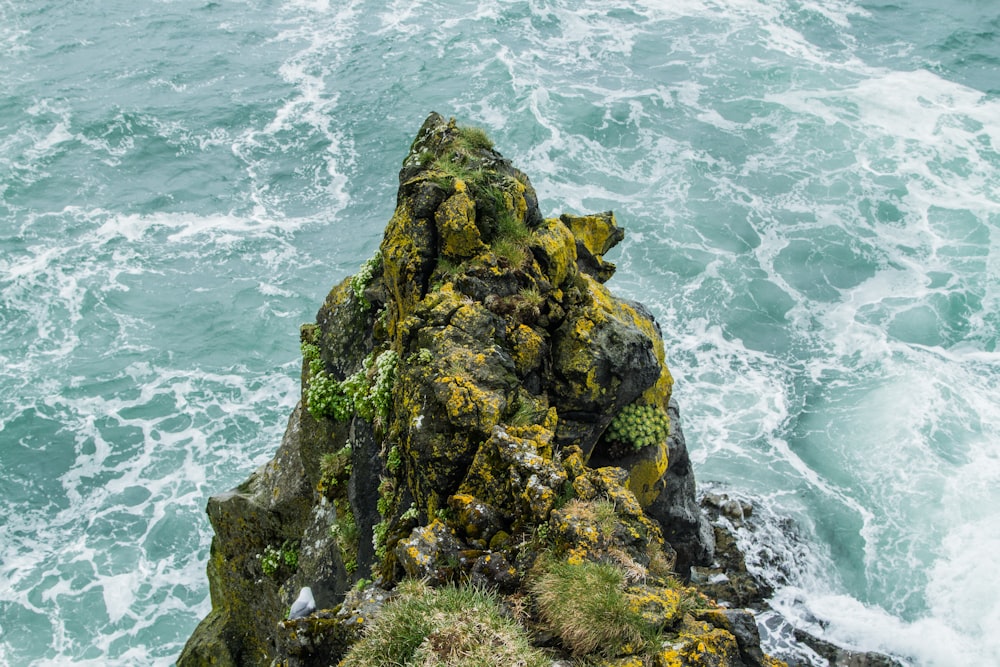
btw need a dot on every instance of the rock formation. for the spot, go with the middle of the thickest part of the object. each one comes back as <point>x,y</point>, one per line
<point>486,460</point>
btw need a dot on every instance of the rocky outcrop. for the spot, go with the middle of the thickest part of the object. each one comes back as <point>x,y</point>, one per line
<point>478,412</point>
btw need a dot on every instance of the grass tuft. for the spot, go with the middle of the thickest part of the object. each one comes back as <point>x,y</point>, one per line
<point>446,627</point>
<point>585,605</point>
<point>473,139</point>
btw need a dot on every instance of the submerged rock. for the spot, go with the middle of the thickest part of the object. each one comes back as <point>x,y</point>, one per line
<point>477,408</point>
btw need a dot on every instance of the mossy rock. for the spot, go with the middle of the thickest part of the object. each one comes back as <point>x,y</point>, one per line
<point>595,235</point>
<point>603,362</point>
<point>511,358</point>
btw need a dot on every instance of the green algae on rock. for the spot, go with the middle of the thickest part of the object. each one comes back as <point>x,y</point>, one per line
<point>454,429</point>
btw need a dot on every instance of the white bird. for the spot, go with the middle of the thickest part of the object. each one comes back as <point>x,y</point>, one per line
<point>303,605</point>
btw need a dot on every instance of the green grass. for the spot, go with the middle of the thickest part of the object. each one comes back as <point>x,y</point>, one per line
<point>455,165</point>
<point>472,139</point>
<point>585,605</point>
<point>445,627</point>
<point>510,236</point>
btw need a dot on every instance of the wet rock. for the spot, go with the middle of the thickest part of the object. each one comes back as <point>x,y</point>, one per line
<point>841,657</point>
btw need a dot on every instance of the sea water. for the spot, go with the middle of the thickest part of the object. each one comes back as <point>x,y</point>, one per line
<point>811,193</point>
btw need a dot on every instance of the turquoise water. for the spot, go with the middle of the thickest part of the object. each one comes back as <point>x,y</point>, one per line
<point>812,197</point>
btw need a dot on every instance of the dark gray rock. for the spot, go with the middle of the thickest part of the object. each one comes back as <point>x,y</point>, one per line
<point>684,524</point>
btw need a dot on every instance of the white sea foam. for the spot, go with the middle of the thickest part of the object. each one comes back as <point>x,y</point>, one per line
<point>137,590</point>
<point>106,554</point>
<point>727,139</point>
<point>314,106</point>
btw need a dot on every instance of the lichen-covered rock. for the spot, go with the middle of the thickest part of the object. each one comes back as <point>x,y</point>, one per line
<point>457,393</point>
<point>595,235</point>
<point>431,553</point>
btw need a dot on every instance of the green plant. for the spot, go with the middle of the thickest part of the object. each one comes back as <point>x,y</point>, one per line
<point>585,605</point>
<point>324,396</point>
<point>410,513</point>
<point>367,392</point>
<point>361,279</point>
<point>290,557</point>
<point>472,139</point>
<point>510,250</point>
<point>510,235</point>
<point>345,530</point>
<point>446,269</point>
<point>386,496</point>
<point>511,227</point>
<point>379,532</point>
<point>273,558</point>
<point>445,627</point>
<point>393,460</point>
<point>270,561</point>
<point>541,536</point>
<point>691,599</point>
<point>421,356</point>
<point>376,400</point>
<point>335,467</point>
<point>455,165</point>
<point>566,494</point>
<point>532,297</point>
<point>525,414</point>
<point>638,426</point>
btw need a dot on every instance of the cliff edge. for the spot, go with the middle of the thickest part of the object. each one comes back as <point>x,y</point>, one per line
<point>486,466</point>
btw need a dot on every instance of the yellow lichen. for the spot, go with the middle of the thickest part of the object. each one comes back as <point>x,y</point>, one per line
<point>527,348</point>
<point>456,225</point>
<point>645,479</point>
<point>598,233</point>
<point>555,247</point>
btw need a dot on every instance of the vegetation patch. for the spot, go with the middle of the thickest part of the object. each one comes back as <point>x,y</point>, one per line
<point>335,469</point>
<point>283,559</point>
<point>585,605</point>
<point>367,393</point>
<point>445,627</point>
<point>345,530</point>
<point>636,427</point>
<point>361,279</point>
